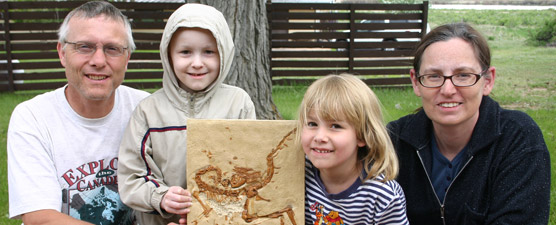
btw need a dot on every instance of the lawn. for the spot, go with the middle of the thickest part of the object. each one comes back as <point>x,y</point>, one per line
<point>526,81</point>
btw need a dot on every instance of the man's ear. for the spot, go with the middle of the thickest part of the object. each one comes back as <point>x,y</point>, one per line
<point>489,80</point>
<point>61,53</point>
<point>127,61</point>
<point>414,82</point>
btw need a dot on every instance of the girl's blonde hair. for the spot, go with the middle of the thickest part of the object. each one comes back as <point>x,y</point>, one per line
<point>345,97</point>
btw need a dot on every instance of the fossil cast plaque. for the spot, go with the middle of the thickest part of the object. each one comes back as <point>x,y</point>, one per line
<point>245,172</point>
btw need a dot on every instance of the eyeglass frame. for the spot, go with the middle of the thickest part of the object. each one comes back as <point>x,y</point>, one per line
<point>95,48</point>
<point>477,75</point>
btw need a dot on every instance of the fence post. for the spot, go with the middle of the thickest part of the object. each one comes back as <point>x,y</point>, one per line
<point>424,19</point>
<point>9,66</point>
<point>351,41</point>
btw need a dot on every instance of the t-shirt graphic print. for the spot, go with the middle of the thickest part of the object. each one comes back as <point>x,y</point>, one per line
<point>93,194</point>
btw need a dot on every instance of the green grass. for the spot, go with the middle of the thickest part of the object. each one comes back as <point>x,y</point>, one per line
<point>525,80</point>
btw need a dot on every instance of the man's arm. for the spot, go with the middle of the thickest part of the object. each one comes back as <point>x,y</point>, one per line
<point>30,166</point>
<point>49,216</point>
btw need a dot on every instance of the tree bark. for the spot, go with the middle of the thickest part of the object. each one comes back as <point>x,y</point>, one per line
<point>248,23</point>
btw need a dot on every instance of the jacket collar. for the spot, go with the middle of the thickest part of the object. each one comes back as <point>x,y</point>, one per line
<point>418,131</point>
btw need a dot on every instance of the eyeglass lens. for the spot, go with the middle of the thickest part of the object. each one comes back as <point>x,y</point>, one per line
<point>87,48</point>
<point>460,80</point>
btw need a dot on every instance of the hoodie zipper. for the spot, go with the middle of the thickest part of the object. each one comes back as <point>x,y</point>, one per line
<point>442,216</point>
<point>191,107</point>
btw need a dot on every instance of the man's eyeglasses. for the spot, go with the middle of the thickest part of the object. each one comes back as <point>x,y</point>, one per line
<point>87,48</point>
<point>459,80</point>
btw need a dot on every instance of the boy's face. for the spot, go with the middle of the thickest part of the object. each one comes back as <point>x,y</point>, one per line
<point>194,57</point>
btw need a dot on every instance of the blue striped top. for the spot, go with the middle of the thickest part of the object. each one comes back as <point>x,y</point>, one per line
<point>372,202</point>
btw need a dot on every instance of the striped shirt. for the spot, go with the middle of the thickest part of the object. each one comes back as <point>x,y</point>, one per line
<point>372,202</point>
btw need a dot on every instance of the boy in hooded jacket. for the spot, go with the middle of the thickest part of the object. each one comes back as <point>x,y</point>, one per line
<point>197,51</point>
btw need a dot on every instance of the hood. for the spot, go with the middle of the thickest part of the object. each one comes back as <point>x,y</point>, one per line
<point>205,17</point>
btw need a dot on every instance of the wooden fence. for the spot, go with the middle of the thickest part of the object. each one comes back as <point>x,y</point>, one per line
<point>308,40</point>
<point>371,40</point>
<point>29,37</point>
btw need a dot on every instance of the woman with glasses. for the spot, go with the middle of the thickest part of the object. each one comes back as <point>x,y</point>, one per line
<point>463,158</point>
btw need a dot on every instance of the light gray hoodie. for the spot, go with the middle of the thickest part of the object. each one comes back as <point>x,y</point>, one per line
<point>152,152</point>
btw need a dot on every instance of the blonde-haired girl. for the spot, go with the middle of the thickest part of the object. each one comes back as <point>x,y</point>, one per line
<point>351,162</point>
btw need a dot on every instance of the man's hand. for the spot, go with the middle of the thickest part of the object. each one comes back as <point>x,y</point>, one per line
<point>183,220</point>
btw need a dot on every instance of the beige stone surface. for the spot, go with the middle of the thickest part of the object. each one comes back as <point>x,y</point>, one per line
<point>233,165</point>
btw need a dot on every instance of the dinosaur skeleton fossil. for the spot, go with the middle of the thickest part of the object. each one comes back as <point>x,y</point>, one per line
<point>242,187</point>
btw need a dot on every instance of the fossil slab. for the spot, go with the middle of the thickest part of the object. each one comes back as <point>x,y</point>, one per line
<point>245,172</point>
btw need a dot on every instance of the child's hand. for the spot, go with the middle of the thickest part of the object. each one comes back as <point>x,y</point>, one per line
<point>177,201</point>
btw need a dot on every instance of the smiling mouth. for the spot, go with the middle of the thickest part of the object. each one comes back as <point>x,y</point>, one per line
<point>322,151</point>
<point>96,77</point>
<point>450,104</point>
<point>197,74</point>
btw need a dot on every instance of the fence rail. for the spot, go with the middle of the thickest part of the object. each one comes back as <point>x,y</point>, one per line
<point>375,41</point>
<point>308,41</point>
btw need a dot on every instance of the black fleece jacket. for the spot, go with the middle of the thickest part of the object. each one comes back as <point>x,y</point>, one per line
<point>505,178</point>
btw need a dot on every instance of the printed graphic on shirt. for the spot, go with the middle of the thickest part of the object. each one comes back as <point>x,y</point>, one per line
<point>93,194</point>
<point>332,218</point>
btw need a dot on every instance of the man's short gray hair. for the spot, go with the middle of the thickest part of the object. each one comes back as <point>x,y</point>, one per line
<point>93,9</point>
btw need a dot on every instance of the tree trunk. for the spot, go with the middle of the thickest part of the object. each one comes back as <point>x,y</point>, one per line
<point>251,68</point>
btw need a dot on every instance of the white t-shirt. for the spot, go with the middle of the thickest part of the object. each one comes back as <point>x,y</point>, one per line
<point>60,160</point>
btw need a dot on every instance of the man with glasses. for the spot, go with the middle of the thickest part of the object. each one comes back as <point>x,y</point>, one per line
<point>464,159</point>
<point>63,145</point>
